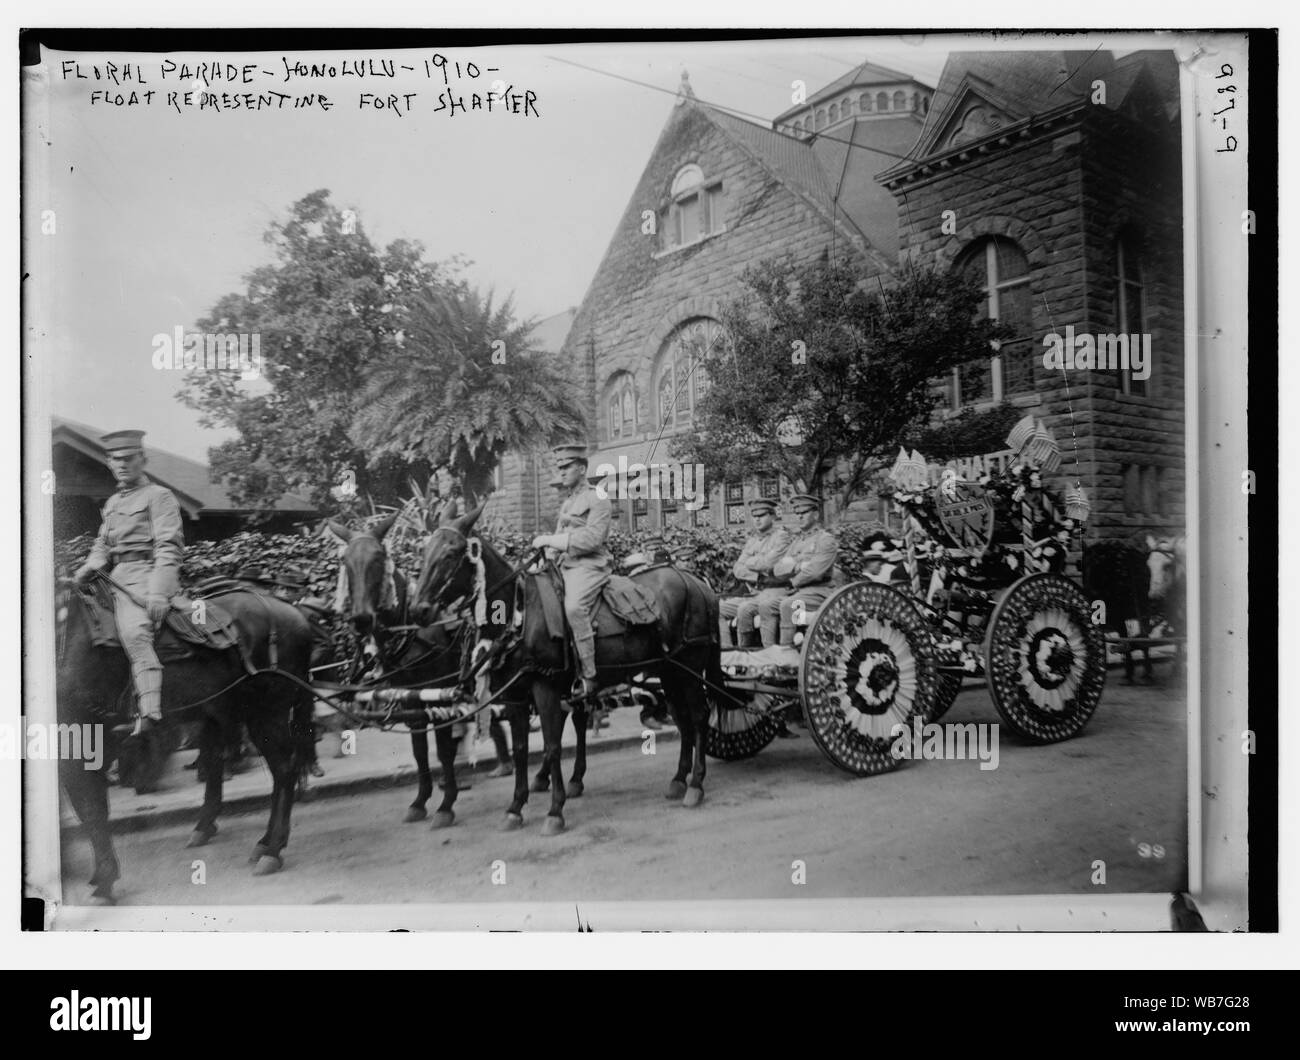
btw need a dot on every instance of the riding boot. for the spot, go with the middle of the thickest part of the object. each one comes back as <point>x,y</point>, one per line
<point>505,763</point>
<point>586,686</point>
<point>747,638</point>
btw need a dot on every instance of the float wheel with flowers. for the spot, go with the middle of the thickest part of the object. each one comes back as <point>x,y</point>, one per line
<point>1045,659</point>
<point>869,665</point>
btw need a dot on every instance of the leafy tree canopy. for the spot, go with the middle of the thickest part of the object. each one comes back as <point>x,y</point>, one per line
<point>822,376</point>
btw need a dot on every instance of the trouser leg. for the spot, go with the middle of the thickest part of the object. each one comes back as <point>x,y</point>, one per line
<point>728,609</point>
<point>745,614</point>
<point>769,616</point>
<point>581,591</point>
<point>136,632</point>
<point>796,605</point>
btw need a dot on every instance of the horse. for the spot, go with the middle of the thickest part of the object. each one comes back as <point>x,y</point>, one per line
<point>274,704</point>
<point>374,596</point>
<point>682,649</point>
<point>1141,589</point>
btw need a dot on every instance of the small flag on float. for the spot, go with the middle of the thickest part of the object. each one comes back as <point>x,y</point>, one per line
<point>1021,433</point>
<point>1041,449</point>
<point>1077,506</point>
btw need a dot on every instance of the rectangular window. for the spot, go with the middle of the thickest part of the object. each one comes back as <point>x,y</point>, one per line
<point>735,515</point>
<point>769,489</point>
<point>735,492</point>
<point>688,219</point>
<point>1130,315</point>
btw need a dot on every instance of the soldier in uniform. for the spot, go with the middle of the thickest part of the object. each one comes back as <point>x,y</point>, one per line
<point>767,544</point>
<point>585,561</point>
<point>142,541</point>
<point>805,572</point>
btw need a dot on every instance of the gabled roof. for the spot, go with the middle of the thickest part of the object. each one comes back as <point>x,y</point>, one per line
<point>189,479</point>
<point>868,73</point>
<point>1014,86</point>
<point>795,164</point>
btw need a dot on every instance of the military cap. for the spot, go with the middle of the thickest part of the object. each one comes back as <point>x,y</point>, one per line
<point>123,441</point>
<point>762,506</point>
<point>802,502</point>
<point>569,454</point>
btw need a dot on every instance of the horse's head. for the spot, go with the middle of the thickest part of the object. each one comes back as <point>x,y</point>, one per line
<point>365,574</point>
<point>1166,560</point>
<point>445,573</point>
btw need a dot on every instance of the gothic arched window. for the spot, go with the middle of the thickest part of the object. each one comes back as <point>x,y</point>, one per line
<point>681,373</point>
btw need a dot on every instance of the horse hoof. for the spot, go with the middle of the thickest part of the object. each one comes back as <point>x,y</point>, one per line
<point>102,900</point>
<point>693,797</point>
<point>415,813</point>
<point>676,790</point>
<point>574,790</point>
<point>541,785</point>
<point>513,822</point>
<point>553,826</point>
<point>258,853</point>
<point>200,837</point>
<point>267,864</point>
<point>444,819</point>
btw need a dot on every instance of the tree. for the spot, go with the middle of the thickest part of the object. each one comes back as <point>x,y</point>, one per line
<point>463,385</point>
<point>820,378</point>
<point>329,305</point>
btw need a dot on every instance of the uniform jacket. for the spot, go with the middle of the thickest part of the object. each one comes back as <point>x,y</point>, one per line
<point>583,526</point>
<point>146,518</point>
<point>810,558</point>
<point>761,551</point>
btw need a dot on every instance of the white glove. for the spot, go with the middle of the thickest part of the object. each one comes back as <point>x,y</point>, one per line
<point>544,541</point>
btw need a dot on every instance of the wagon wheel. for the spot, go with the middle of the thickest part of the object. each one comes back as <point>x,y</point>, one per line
<point>1045,660</point>
<point>739,731</point>
<point>869,665</point>
<point>946,689</point>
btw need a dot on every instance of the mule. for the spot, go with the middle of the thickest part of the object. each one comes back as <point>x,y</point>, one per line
<point>681,649</point>
<point>374,596</point>
<point>92,682</point>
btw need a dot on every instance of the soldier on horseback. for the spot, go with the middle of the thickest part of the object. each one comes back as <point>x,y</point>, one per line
<point>142,540</point>
<point>585,561</point>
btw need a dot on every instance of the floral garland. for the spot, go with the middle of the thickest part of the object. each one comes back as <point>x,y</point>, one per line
<point>1019,496</point>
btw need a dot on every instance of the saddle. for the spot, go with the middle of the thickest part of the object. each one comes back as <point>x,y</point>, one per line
<point>189,624</point>
<point>623,603</point>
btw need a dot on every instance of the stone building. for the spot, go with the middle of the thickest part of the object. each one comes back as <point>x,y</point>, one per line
<point>1053,177</point>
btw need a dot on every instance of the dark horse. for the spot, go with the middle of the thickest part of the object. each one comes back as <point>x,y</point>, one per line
<point>91,681</point>
<point>375,595</point>
<point>681,649</point>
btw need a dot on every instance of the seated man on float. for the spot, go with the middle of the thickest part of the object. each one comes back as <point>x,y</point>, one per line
<point>767,544</point>
<point>806,572</point>
<point>883,561</point>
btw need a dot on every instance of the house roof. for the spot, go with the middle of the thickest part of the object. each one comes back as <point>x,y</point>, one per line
<point>798,164</point>
<point>550,333</point>
<point>189,479</point>
<point>868,73</point>
<point>1026,84</point>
